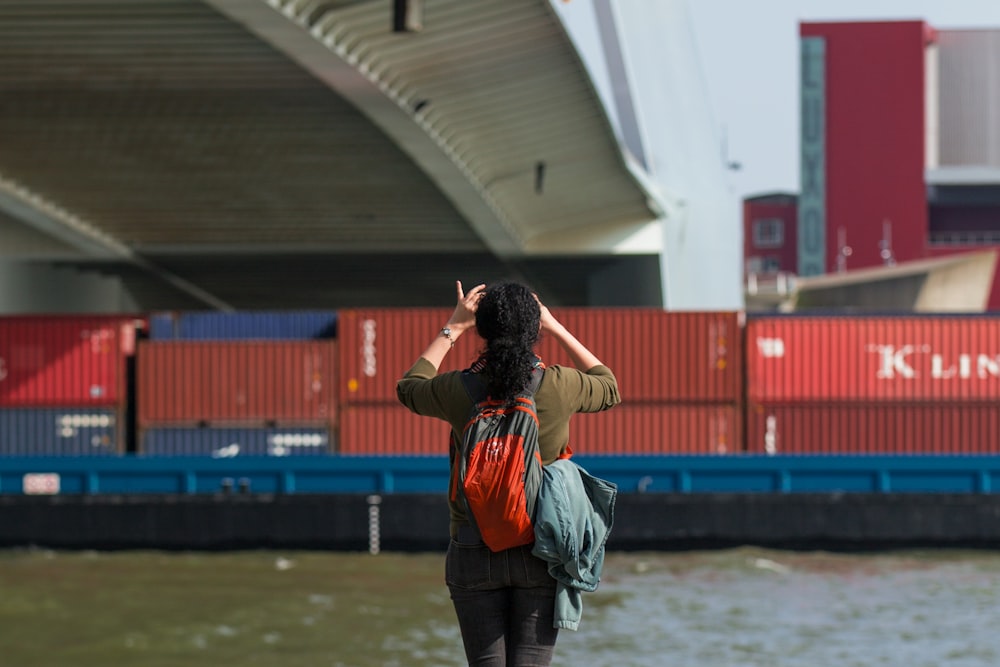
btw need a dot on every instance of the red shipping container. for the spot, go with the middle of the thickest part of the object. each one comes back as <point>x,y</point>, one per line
<point>660,356</point>
<point>378,346</point>
<point>892,359</point>
<point>386,429</point>
<point>238,383</point>
<point>940,428</point>
<point>656,355</point>
<point>65,360</point>
<point>658,429</point>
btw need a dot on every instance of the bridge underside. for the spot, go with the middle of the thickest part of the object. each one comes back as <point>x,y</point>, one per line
<point>292,153</point>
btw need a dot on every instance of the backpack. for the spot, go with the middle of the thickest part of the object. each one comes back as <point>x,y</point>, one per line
<point>498,468</point>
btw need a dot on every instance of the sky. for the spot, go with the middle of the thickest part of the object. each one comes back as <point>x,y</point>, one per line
<point>749,53</point>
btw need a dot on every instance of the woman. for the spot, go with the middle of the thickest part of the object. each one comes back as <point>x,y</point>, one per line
<point>504,600</point>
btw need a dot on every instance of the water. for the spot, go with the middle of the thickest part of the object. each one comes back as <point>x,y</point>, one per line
<point>775,609</point>
<point>742,607</point>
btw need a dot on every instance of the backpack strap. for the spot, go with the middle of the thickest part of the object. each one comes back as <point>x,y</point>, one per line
<point>536,377</point>
<point>475,385</point>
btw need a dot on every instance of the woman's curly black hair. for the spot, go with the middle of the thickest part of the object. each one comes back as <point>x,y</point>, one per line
<point>508,318</point>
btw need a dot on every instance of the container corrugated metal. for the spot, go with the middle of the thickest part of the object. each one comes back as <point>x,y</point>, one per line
<point>656,355</point>
<point>231,442</point>
<point>59,432</point>
<point>386,429</point>
<point>236,383</point>
<point>247,325</point>
<point>52,361</point>
<point>862,359</point>
<point>378,346</point>
<point>938,428</point>
<point>658,429</point>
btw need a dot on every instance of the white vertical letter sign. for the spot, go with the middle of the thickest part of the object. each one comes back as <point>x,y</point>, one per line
<point>812,200</point>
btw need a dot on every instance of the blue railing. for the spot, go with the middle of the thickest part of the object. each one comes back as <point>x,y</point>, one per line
<point>632,474</point>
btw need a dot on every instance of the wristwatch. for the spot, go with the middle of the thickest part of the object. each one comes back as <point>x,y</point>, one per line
<point>446,332</point>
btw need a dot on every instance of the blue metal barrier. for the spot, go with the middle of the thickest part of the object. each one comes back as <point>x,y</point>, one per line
<point>632,474</point>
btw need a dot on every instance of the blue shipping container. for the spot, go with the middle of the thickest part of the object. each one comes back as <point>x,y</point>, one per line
<point>297,325</point>
<point>59,432</point>
<point>224,443</point>
<point>162,326</point>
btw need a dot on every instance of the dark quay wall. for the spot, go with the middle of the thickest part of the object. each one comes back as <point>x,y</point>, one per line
<point>419,522</point>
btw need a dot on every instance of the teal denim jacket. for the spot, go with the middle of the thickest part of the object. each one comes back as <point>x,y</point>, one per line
<point>573,520</point>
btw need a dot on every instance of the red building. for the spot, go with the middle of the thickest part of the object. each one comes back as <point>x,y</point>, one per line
<point>900,150</point>
<point>770,235</point>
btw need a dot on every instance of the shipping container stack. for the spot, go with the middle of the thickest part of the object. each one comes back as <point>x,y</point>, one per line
<point>316,383</point>
<point>873,385</point>
<point>680,377</point>
<point>679,373</point>
<point>64,384</point>
<point>238,384</point>
<point>377,346</point>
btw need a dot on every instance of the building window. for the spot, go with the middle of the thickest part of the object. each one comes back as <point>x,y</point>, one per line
<point>768,233</point>
<point>765,264</point>
<point>771,265</point>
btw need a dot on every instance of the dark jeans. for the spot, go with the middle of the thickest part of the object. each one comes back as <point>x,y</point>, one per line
<point>505,603</point>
